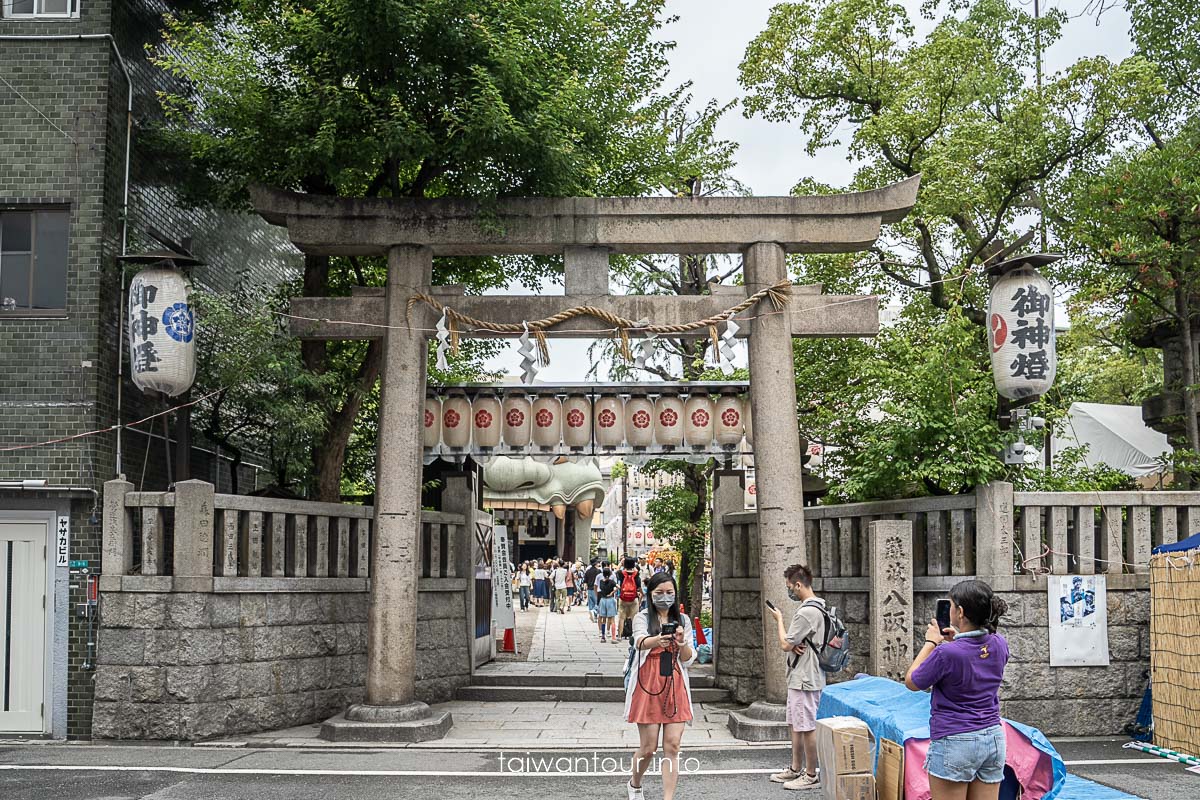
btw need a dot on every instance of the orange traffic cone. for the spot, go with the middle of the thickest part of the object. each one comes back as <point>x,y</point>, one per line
<point>510,641</point>
<point>700,637</point>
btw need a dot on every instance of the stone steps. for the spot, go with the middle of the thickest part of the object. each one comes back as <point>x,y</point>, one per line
<point>574,694</point>
<point>588,680</point>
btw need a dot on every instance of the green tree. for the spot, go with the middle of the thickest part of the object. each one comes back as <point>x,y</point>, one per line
<point>476,98</point>
<point>256,383</point>
<point>961,107</point>
<point>1136,230</point>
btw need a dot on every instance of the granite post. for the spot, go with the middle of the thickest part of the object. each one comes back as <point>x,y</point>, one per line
<point>994,532</point>
<point>777,456</point>
<point>777,462</point>
<point>891,603</point>
<point>391,711</point>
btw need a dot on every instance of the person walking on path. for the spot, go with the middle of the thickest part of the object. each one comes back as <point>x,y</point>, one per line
<point>560,588</point>
<point>570,585</point>
<point>963,665</point>
<point>629,595</point>
<point>589,582</point>
<point>539,583</point>
<point>606,602</point>
<point>657,692</point>
<point>805,678</point>
<point>524,583</point>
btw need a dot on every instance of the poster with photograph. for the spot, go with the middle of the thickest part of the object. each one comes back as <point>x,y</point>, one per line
<point>1078,617</point>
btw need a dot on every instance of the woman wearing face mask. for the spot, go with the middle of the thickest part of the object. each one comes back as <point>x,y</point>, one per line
<point>657,692</point>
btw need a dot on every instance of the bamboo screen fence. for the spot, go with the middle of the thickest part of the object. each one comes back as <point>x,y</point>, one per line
<point>1175,650</point>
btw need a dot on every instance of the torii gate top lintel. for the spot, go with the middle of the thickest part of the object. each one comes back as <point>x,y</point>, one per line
<point>328,225</point>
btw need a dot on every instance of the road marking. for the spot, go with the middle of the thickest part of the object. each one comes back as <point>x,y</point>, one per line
<point>1086,762</point>
<point>381,773</point>
<point>419,773</point>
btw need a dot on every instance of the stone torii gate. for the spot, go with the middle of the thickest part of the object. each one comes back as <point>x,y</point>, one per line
<point>411,232</point>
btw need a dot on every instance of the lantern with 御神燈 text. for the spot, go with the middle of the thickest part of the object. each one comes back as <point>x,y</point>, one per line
<point>1021,332</point>
<point>162,350</point>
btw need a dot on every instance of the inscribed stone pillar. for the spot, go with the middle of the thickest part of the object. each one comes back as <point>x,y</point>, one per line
<point>392,618</point>
<point>892,624</point>
<point>994,532</point>
<point>777,456</point>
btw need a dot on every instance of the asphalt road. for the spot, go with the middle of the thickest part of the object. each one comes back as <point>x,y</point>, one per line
<point>128,772</point>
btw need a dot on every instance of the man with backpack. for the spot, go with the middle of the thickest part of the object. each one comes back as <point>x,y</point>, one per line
<point>812,643</point>
<point>629,594</point>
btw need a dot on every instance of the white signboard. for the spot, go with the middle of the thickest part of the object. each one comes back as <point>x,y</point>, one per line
<point>62,543</point>
<point>751,491</point>
<point>1078,617</point>
<point>502,576</point>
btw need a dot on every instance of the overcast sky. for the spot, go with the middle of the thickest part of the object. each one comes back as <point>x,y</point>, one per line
<point>711,38</point>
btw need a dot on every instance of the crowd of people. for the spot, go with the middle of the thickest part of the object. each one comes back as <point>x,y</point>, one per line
<point>614,592</point>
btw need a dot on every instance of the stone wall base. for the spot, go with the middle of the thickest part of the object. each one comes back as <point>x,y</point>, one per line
<point>190,666</point>
<point>1060,701</point>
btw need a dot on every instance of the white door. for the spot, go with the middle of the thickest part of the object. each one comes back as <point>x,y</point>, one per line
<point>22,626</point>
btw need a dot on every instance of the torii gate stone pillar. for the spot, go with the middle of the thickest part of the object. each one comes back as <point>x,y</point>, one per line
<point>410,233</point>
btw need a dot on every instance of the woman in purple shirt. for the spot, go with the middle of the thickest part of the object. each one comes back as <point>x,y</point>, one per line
<point>964,665</point>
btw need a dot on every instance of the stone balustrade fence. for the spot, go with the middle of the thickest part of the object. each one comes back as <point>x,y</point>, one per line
<point>195,535</point>
<point>993,531</point>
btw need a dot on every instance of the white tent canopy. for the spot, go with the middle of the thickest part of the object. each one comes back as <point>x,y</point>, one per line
<point>1114,435</point>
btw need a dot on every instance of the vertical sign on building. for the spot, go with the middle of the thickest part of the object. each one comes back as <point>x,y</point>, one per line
<point>62,543</point>
<point>502,576</point>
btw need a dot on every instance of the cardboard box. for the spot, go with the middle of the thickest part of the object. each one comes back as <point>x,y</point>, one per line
<point>854,787</point>
<point>889,772</point>
<point>844,749</point>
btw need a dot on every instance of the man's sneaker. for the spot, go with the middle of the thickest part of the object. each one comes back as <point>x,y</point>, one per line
<point>788,774</point>
<point>805,781</point>
<point>635,793</point>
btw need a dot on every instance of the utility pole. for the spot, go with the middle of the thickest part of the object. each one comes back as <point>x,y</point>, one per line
<point>625,513</point>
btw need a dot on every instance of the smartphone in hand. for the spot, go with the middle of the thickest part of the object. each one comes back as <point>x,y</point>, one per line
<point>943,614</point>
<point>771,605</point>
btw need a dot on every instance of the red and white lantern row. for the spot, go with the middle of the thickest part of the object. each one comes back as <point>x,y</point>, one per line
<point>514,424</point>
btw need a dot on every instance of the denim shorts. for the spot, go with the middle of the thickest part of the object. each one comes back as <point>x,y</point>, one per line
<point>965,757</point>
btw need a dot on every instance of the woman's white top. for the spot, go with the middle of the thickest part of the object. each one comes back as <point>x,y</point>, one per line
<point>641,629</point>
<point>525,579</point>
<point>539,574</point>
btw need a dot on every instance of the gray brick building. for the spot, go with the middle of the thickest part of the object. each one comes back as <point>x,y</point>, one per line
<point>68,69</point>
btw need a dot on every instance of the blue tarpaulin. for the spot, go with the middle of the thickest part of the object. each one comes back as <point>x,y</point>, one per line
<point>894,712</point>
<point>1190,543</point>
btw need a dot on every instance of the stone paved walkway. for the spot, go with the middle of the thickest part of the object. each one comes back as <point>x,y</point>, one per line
<point>563,644</point>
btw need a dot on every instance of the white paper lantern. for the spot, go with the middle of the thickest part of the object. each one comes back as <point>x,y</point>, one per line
<point>547,421</point>
<point>577,421</point>
<point>728,413</point>
<point>162,350</point>
<point>518,421</point>
<point>639,421</point>
<point>456,421</point>
<point>485,420</point>
<point>698,421</point>
<point>431,424</point>
<point>668,421</point>
<point>609,419</point>
<point>1021,325</point>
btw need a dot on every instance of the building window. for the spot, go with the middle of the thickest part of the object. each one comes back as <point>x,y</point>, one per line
<point>33,9</point>
<point>33,261</point>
